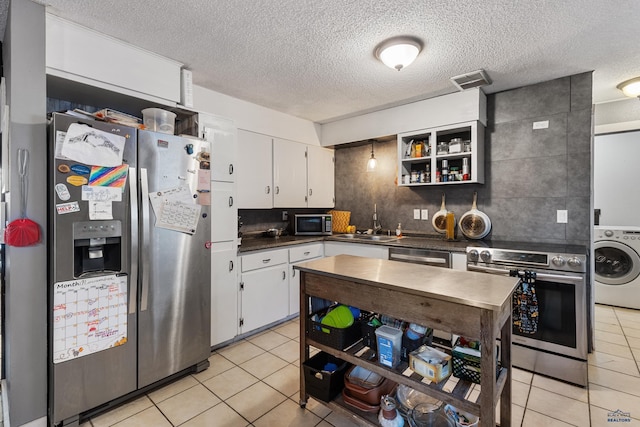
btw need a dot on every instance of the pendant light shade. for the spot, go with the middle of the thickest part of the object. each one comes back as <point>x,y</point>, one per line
<point>398,52</point>
<point>372,164</point>
<point>630,87</point>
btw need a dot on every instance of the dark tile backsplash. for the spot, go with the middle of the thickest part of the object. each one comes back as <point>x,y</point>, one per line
<point>529,174</point>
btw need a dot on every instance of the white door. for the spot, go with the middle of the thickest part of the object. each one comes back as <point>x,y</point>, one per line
<point>254,172</point>
<point>224,293</point>
<point>224,212</point>
<point>264,296</point>
<point>320,177</point>
<point>289,174</point>
<point>222,135</point>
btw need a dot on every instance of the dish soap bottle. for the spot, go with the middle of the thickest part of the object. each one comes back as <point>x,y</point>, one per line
<point>399,230</point>
<point>388,416</point>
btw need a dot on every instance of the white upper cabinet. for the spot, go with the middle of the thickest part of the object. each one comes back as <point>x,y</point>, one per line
<point>254,171</point>
<point>289,174</point>
<point>320,177</point>
<point>222,135</point>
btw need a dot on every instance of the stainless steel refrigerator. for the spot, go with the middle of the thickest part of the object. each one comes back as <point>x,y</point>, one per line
<point>130,268</point>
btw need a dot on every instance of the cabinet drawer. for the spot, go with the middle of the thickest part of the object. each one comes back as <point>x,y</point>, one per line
<point>306,252</point>
<point>264,259</point>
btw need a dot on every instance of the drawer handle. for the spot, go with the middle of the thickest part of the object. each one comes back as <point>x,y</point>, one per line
<point>277,189</point>
<point>231,169</point>
<point>307,253</point>
<point>231,265</point>
<point>284,275</point>
<point>266,261</point>
<point>230,201</point>
<point>268,189</point>
<point>293,273</point>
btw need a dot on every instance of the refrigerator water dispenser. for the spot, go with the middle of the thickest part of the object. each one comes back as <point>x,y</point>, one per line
<point>97,247</point>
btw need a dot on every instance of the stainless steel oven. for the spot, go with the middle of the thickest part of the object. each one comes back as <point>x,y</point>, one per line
<point>549,308</point>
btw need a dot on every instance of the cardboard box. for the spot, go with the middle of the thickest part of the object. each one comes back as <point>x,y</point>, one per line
<point>431,363</point>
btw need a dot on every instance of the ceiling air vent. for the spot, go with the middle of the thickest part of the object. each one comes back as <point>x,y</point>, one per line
<point>471,80</point>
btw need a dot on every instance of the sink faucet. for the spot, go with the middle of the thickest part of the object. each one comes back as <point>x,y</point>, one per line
<point>376,226</point>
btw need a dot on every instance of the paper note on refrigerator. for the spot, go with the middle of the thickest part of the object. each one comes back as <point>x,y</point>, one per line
<point>100,210</point>
<point>91,146</point>
<point>175,209</point>
<point>89,315</point>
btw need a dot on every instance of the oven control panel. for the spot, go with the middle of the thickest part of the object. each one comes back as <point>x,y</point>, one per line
<point>510,258</point>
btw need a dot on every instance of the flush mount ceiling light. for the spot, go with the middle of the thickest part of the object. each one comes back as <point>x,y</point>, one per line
<point>372,164</point>
<point>630,87</point>
<point>398,52</point>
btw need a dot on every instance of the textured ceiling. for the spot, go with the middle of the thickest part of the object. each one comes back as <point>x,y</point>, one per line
<point>314,59</point>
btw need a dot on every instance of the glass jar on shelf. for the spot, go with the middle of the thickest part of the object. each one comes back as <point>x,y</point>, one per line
<point>466,145</point>
<point>443,148</point>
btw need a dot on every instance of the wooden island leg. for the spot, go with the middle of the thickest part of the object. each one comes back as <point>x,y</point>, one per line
<point>487,369</point>
<point>505,360</point>
<point>304,348</point>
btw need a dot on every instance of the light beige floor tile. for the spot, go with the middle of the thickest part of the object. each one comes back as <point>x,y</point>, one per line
<point>217,365</point>
<point>517,413</point>
<point>614,363</point>
<point>611,400</point>
<point>627,313</point>
<point>287,414</point>
<point>188,404</point>
<point>288,351</point>
<point>605,418</point>
<point>536,419</point>
<point>286,380</point>
<point>296,363</point>
<point>634,343</point>
<point>230,382</point>
<point>636,354</point>
<point>263,365</point>
<point>601,308</point>
<point>122,412</point>
<point>610,318</point>
<point>317,408</point>
<point>240,352</point>
<point>149,417</point>
<point>172,389</point>
<point>268,340</point>
<point>339,420</point>
<point>289,329</point>
<point>220,415</point>
<point>609,337</point>
<point>567,390</point>
<point>558,406</point>
<point>614,380</point>
<point>631,332</point>
<point>255,401</point>
<point>630,322</point>
<point>615,349</point>
<point>521,375</point>
<point>607,327</point>
<point>323,423</point>
<point>519,393</point>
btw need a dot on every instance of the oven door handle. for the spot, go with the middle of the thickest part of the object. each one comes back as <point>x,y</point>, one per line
<point>418,258</point>
<point>490,270</point>
<point>539,276</point>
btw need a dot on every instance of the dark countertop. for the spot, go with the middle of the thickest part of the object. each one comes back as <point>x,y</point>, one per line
<point>254,242</point>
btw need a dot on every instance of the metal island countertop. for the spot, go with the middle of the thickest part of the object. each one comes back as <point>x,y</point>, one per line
<point>461,287</point>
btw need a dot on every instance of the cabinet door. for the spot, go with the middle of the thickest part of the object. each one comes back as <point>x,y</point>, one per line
<point>320,177</point>
<point>289,174</point>
<point>222,135</point>
<point>224,293</point>
<point>254,174</point>
<point>224,221</point>
<point>264,296</point>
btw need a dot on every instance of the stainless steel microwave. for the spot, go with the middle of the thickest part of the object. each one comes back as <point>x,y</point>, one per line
<point>313,224</point>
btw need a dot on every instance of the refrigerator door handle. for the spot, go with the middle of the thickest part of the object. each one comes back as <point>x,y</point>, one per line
<point>146,232</point>
<point>133,278</point>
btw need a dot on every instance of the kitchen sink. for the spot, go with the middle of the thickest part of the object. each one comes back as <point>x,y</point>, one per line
<point>367,237</point>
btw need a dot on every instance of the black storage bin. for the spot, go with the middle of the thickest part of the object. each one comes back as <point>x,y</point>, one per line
<point>466,366</point>
<point>321,384</point>
<point>369,333</point>
<point>338,338</point>
<point>409,345</point>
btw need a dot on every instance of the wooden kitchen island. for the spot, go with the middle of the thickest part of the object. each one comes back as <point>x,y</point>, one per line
<point>473,305</point>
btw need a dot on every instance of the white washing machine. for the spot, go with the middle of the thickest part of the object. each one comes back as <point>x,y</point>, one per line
<point>617,265</point>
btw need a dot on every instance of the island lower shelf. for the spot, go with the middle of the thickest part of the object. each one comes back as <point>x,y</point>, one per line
<point>415,294</point>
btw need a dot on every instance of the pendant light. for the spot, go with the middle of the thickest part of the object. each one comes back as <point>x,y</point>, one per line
<point>398,52</point>
<point>630,87</point>
<point>372,164</point>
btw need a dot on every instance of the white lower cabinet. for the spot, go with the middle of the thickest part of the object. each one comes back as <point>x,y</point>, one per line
<point>297,255</point>
<point>264,289</point>
<point>357,249</point>
<point>224,292</point>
